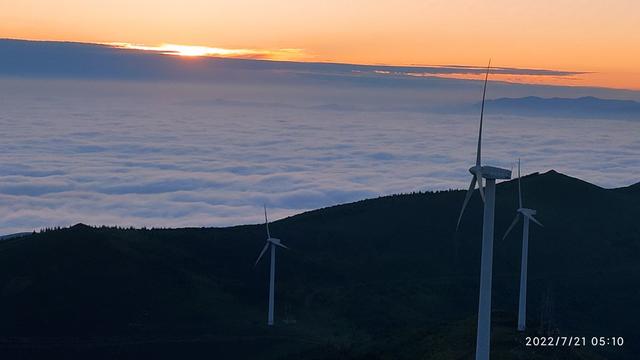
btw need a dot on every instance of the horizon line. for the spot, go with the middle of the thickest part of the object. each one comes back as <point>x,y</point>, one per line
<point>510,74</point>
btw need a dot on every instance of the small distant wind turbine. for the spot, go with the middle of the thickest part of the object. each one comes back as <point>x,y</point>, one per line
<point>490,174</point>
<point>271,242</point>
<point>526,214</point>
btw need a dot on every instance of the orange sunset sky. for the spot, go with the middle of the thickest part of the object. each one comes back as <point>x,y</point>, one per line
<point>600,37</point>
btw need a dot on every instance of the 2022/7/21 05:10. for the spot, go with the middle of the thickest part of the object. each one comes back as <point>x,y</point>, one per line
<point>574,341</point>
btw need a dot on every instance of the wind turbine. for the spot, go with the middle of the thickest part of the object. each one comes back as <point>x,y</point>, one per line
<point>488,194</point>
<point>271,243</point>
<point>526,214</point>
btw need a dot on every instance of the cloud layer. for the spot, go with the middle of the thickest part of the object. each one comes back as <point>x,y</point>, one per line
<point>50,59</point>
<point>154,154</point>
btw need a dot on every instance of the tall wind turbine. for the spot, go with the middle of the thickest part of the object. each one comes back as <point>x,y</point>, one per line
<point>488,194</point>
<point>526,214</point>
<point>271,243</point>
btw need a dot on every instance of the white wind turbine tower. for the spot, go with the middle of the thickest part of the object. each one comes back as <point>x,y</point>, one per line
<point>526,214</point>
<point>271,243</point>
<point>490,174</point>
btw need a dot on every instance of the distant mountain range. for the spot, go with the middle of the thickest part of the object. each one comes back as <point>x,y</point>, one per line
<point>588,106</point>
<point>376,279</point>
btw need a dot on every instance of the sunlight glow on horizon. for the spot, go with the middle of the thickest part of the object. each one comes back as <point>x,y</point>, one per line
<point>578,79</point>
<point>197,51</point>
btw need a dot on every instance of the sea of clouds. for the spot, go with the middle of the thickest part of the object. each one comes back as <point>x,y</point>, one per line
<point>170,155</point>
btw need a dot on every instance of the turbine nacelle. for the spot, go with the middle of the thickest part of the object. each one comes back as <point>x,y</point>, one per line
<point>480,172</point>
<point>276,242</point>
<point>526,212</point>
<point>490,172</point>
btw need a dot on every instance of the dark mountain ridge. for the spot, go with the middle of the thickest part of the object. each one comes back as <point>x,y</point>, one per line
<point>582,107</point>
<point>374,279</point>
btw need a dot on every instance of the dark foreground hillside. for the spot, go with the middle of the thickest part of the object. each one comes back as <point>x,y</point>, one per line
<point>378,279</point>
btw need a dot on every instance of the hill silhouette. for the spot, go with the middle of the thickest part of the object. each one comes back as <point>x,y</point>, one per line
<point>375,279</point>
<point>583,107</point>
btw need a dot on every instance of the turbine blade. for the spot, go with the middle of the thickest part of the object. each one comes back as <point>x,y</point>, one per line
<point>466,200</point>
<point>519,186</point>
<point>281,245</point>
<point>480,184</point>
<point>513,224</point>
<point>484,92</point>
<point>534,220</point>
<point>264,250</point>
<point>266,222</point>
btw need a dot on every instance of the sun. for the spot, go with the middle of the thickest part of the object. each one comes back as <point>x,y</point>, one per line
<point>185,50</point>
<point>200,51</point>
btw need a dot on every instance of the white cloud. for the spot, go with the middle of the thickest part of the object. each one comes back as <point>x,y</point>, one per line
<point>149,154</point>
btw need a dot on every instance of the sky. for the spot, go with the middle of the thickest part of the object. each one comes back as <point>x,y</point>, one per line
<point>572,35</point>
